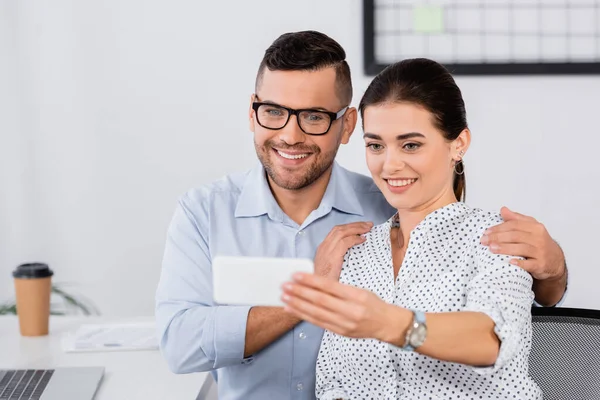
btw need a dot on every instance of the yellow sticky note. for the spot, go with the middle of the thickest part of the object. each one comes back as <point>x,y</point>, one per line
<point>428,19</point>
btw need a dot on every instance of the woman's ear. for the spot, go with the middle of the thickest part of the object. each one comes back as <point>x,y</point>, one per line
<point>461,144</point>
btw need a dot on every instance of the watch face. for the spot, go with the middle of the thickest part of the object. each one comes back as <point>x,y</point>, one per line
<point>418,335</point>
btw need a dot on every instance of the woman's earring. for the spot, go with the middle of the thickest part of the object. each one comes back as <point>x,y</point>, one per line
<point>459,166</point>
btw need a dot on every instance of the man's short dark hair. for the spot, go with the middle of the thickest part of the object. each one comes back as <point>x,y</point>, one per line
<point>308,51</point>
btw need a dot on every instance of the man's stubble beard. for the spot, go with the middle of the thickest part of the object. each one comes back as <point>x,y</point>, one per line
<point>305,177</point>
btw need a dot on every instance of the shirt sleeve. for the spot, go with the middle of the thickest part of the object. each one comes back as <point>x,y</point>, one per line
<point>328,374</point>
<point>329,385</point>
<point>562,299</point>
<point>504,293</point>
<point>194,334</point>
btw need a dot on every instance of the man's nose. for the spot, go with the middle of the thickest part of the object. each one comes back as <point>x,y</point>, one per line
<point>291,133</point>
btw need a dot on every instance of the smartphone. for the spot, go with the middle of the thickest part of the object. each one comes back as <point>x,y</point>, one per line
<point>254,281</point>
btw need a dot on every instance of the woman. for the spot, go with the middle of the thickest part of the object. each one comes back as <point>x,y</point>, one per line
<point>422,310</point>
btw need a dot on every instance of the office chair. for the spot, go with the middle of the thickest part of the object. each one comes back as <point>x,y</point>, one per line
<point>565,353</point>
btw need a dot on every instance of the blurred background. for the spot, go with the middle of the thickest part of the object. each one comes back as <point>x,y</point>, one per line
<point>109,111</point>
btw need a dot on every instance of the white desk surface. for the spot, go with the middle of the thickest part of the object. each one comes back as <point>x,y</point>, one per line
<point>128,375</point>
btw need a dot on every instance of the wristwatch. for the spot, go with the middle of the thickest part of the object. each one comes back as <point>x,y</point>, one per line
<point>417,331</point>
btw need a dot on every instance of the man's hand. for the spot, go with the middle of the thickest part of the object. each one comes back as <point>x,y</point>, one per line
<point>330,253</point>
<point>523,236</point>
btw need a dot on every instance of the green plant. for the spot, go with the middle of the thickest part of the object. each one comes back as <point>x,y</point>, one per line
<point>8,309</point>
<point>68,304</point>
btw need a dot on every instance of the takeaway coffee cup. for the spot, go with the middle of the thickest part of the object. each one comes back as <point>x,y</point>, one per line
<point>32,287</point>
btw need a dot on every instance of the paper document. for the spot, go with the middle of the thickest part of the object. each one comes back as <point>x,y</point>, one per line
<point>112,337</point>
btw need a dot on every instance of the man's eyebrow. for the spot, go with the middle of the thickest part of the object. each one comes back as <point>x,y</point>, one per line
<point>403,136</point>
<point>281,105</point>
<point>267,101</point>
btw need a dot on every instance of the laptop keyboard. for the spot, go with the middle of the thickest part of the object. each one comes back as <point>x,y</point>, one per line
<point>24,384</point>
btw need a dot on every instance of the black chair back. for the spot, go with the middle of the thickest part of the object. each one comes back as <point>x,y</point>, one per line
<point>565,353</point>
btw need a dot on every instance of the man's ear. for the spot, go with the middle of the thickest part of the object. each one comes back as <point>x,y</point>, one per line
<point>350,118</point>
<point>251,113</point>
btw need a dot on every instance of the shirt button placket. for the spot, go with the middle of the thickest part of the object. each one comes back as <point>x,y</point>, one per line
<point>300,343</point>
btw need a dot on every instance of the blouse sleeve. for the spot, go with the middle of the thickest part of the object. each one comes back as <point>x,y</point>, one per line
<point>328,374</point>
<point>329,384</point>
<point>504,293</point>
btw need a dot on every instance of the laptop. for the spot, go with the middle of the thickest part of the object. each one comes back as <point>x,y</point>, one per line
<point>76,383</point>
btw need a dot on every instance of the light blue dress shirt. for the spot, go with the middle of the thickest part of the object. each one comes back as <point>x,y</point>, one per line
<point>238,215</point>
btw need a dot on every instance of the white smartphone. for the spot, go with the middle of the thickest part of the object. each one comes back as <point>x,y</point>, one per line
<point>254,281</point>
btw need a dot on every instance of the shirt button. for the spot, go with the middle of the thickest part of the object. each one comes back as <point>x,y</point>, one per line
<point>302,335</point>
<point>299,386</point>
<point>301,233</point>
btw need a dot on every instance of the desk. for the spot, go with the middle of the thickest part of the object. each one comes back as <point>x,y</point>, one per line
<point>128,375</point>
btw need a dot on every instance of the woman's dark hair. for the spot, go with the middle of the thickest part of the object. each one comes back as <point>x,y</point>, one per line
<point>308,51</point>
<point>429,84</point>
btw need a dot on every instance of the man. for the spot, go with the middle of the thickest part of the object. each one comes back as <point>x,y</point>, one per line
<point>285,207</point>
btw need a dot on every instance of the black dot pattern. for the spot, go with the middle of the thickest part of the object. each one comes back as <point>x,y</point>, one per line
<point>445,269</point>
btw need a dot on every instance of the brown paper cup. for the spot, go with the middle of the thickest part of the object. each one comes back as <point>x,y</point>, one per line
<point>32,287</point>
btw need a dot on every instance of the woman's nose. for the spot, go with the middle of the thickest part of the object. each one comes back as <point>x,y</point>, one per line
<point>393,163</point>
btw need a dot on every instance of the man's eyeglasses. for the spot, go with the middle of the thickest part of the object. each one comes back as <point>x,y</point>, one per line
<point>312,122</point>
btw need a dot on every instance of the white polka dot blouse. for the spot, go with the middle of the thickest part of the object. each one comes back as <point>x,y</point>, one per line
<point>445,269</point>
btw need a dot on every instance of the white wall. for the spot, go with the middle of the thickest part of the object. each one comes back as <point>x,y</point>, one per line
<point>120,106</point>
<point>16,200</point>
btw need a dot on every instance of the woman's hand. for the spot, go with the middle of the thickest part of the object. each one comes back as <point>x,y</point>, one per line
<point>330,253</point>
<point>344,309</point>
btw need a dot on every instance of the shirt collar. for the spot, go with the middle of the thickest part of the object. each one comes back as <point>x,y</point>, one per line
<point>340,193</point>
<point>257,199</point>
<point>437,217</point>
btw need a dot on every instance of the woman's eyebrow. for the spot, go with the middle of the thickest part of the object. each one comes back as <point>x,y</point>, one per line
<point>403,136</point>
